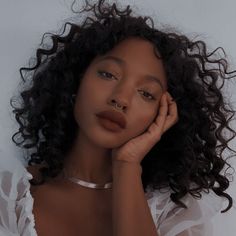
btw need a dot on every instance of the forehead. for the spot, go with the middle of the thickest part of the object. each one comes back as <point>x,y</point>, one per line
<point>135,48</point>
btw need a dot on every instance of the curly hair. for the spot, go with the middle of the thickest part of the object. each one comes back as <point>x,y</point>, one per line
<point>189,158</point>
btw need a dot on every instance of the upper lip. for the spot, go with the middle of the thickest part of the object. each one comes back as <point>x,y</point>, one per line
<point>114,116</point>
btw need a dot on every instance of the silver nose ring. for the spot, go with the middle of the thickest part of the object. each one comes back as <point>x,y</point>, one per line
<point>118,106</point>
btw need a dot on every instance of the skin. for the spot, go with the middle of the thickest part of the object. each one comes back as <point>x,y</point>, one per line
<point>91,156</point>
<point>101,156</point>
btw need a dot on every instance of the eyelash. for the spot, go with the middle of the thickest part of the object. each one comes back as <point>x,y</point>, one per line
<point>107,73</point>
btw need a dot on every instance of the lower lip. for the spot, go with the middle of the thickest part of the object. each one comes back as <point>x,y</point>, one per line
<point>109,125</point>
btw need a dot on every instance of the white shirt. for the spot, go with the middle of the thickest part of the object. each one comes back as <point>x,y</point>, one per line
<point>17,219</point>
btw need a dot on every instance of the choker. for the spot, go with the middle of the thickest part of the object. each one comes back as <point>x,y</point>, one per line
<point>87,184</point>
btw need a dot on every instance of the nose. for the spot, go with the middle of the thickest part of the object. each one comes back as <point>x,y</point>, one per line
<point>118,104</point>
<point>120,97</point>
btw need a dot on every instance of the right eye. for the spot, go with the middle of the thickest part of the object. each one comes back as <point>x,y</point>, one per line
<point>105,74</point>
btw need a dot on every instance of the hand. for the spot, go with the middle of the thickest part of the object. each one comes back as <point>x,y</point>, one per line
<point>135,149</point>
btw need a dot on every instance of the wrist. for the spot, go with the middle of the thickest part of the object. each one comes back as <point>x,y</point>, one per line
<point>120,166</point>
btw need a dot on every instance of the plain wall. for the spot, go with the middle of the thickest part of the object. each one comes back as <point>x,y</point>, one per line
<point>22,24</point>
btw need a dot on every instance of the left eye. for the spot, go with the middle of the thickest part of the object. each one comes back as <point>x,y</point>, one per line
<point>151,97</point>
<point>106,74</point>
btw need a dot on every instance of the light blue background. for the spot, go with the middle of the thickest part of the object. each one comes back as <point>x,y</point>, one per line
<point>22,24</point>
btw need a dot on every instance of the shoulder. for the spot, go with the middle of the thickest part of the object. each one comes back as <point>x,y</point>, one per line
<point>171,220</point>
<point>15,199</point>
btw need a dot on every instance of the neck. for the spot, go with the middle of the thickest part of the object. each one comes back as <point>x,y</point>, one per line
<point>89,162</point>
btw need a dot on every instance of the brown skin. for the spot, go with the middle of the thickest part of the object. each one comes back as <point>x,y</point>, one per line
<point>90,158</point>
<point>101,156</point>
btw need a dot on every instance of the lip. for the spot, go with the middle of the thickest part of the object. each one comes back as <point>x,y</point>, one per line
<point>113,116</point>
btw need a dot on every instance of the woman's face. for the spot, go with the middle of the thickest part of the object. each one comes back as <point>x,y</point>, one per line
<point>121,75</point>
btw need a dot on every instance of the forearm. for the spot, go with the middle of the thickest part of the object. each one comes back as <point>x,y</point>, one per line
<point>130,211</point>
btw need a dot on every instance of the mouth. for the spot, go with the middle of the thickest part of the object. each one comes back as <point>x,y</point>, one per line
<point>109,125</point>
<point>114,117</point>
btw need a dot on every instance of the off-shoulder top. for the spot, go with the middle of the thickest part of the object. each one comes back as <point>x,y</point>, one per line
<point>17,219</point>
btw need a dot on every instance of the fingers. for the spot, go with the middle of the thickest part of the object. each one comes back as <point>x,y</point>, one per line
<point>167,117</point>
<point>163,110</point>
<point>172,116</point>
<point>161,117</point>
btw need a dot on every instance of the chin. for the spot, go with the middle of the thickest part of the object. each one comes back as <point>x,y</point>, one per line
<point>108,142</point>
<point>106,139</point>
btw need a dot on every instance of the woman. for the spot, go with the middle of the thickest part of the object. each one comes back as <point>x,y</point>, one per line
<point>125,120</point>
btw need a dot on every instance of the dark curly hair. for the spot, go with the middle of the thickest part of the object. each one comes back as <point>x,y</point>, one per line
<point>188,153</point>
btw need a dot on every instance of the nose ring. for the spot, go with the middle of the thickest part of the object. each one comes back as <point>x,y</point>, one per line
<point>118,106</point>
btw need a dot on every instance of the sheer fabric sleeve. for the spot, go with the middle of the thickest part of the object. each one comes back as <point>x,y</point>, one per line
<point>193,221</point>
<point>16,203</point>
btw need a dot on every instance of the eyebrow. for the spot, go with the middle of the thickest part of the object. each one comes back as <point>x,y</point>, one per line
<point>121,62</point>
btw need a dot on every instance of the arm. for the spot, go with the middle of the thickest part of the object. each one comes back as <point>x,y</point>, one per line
<point>130,210</point>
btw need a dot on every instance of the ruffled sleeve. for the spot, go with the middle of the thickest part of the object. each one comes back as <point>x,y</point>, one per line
<point>193,221</point>
<point>16,202</point>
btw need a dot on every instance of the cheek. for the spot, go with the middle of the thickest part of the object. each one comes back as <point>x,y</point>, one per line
<point>91,89</point>
<point>148,119</point>
<point>89,97</point>
<point>142,121</point>
<point>82,104</point>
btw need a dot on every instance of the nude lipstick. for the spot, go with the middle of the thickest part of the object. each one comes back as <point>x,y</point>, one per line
<point>112,120</point>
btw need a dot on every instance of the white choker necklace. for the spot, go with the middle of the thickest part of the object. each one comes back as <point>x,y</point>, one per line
<point>87,184</point>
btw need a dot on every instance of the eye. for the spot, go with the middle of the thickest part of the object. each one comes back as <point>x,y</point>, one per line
<point>149,95</point>
<point>105,74</point>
